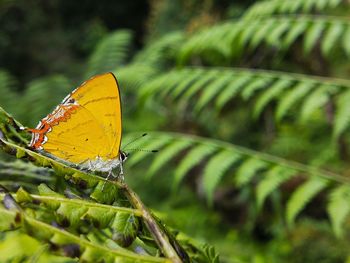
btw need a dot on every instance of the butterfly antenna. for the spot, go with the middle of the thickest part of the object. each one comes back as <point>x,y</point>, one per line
<point>143,150</point>
<point>134,140</point>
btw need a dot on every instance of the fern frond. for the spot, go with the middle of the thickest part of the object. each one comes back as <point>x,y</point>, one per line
<point>159,51</point>
<point>215,170</point>
<point>302,196</point>
<point>167,155</point>
<point>193,158</point>
<point>7,90</point>
<point>339,208</point>
<point>43,93</point>
<point>342,116</point>
<point>133,76</point>
<point>110,53</point>
<point>218,86</point>
<point>274,7</point>
<point>60,237</point>
<point>273,178</point>
<point>218,159</point>
<point>248,170</point>
<point>237,38</point>
<point>272,92</point>
<point>317,99</point>
<point>202,150</point>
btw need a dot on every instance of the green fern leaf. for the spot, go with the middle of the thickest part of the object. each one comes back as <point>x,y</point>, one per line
<point>212,89</point>
<point>202,82</point>
<point>155,144</point>
<point>159,51</point>
<point>292,97</point>
<point>332,36</point>
<point>273,178</point>
<point>260,35</point>
<point>151,87</point>
<point>232,89</point>
<point>272,92</point>
<point>254,85</point>
<point>342,115</point>
<point>8,96</point>
<point>110,52</point>
<point>316,100</point>
<point>248,32</point>
<point>346,41</point>
<point>339,208</point>
<point>166,155</point>
<point>295,31</point>
<point>274,37</point>
<point>192,158</point>
<point>270,7</point>
<point>313,34</point>
<point>49,91</point>
<point>187,79</point>
<point>248,169</point>
<point>302,196</point>
<point>215,170</point>
<point>134,76</point>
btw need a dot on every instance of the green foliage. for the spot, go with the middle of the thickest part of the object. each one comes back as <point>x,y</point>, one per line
<point>218,157</point>
<point>274,7</point>
<point>208,78</point>
<point>217,87</point>
<point>110,52</point>
<point>245,35</point>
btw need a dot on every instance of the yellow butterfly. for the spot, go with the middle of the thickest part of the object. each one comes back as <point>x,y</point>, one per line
<point>86,128</point>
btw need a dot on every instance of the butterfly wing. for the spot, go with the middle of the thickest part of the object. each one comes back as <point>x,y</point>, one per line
<point>85,125</point>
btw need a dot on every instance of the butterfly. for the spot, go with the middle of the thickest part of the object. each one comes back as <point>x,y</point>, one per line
<point>85,129</point>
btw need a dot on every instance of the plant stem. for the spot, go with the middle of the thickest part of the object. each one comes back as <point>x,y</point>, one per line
<point>159,236</point>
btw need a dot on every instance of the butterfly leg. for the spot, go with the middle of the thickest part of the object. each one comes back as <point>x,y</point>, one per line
<point>121,172</point>
<point>110,174</point>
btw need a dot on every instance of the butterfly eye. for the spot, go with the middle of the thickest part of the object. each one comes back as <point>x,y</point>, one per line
<point>71,100</point>
<point>123,156</point>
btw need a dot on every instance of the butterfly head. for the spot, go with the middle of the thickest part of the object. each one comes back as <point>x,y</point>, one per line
<point>123,156</point>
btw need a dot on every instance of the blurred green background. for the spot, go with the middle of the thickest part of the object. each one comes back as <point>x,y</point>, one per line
<point>263,84</point>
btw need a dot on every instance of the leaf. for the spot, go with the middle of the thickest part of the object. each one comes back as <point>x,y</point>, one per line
<point>272,92</point>
<point>313,34</point>
<point>125,227</point>
<point>212,89</point>
<point>315,101</point>
<point>293,33</point>
<point>154,144</point>
<point>274,37</point>
<point>342,114</point>
<point>332,35</point>
<point>49,91</point>
<point>302,196</point>
<point>253,86</point>
<point>192,158</point>
<point>260,35</point>
<point>346,41</point>
<point>189,78</point>
<point>231,90</point>
<point>339,207</point>
<point>271,181</point>
<point>247,171</point>
<point>201,83</point>
<point>8,96</point>
<point>247,33</point>
<point>166,155</point>
<point>292,97</point>
<point>215,170</point>
<point>110,52</point>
